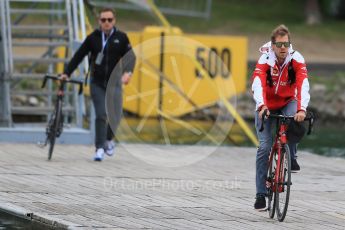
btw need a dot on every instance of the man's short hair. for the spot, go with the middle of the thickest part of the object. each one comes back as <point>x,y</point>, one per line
<point>107,9</point>
<point>280,30</point>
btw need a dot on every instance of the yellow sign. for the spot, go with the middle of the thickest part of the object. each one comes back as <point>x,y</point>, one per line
<point>166,78</point>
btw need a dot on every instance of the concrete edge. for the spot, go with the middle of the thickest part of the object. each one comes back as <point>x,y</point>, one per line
<point>15,211</point>
<point>36,135</point>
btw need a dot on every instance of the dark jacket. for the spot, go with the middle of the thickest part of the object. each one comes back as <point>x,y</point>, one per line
<point>117,46</point>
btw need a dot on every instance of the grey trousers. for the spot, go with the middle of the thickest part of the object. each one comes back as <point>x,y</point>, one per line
<point>265,144</point>
<point>103,130</point>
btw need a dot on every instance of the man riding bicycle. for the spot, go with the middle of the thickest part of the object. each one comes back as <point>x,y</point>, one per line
<point>280,85</point>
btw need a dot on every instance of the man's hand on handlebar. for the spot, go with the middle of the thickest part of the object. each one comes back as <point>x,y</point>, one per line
<point>126,77</point>
<point>262,110</point>
<point>63,77</point>
<point>300,116</point>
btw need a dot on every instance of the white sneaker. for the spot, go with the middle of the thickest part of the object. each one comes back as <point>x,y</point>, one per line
<point>110,147</point>
<point>99,155</point>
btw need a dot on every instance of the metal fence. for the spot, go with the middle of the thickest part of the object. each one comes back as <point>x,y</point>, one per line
<point>190,8</point>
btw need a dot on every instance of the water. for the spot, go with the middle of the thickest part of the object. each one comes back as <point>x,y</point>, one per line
<point>10,222</point>
<point>325,140</point>
<point>189,132</point>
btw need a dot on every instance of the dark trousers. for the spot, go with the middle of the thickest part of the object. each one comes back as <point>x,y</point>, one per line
<point>103,130</point>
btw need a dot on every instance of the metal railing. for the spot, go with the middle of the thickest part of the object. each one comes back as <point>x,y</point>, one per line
<point>56,26</point>
<point>5,67</point>
<point>189,8</point>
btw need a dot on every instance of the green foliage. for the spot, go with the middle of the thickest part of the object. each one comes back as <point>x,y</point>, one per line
<point>248,17</point>
<point>333,83</point>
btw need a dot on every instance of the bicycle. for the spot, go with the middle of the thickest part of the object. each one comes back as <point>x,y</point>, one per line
<point>55,124</point>
<point>278,180</point>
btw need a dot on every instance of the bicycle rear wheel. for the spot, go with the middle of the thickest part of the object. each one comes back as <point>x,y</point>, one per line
<point>271,202</point>
<point>283,187</point>
<point>54,127</point>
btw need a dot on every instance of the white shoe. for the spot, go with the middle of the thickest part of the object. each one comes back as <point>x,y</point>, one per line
<point>110,147</point>
<point>99,155</point>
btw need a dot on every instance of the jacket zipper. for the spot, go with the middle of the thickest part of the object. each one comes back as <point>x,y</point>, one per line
<point>281,72</point>
<point>106,67</point>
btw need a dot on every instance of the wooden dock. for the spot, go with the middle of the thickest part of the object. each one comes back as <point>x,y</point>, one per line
<point>123,192</point>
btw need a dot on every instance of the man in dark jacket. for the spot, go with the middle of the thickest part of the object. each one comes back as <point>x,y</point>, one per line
<point>106,47</point>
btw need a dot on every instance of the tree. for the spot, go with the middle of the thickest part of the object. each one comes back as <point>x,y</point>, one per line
<point>312,12</point>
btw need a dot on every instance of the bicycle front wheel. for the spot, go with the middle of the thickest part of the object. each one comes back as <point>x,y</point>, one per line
<point>283,187</point>
<point>54,128</point>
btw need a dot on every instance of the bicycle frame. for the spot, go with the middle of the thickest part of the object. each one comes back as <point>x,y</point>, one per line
<point>55,123</point>
<point>280,140</point>
<point>60,95</point>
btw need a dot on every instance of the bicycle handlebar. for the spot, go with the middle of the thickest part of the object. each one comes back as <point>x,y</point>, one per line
<point>309,117</point>
<point>56,78</point>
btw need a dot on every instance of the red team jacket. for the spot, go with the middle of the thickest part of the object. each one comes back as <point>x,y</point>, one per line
<point>281,92</point>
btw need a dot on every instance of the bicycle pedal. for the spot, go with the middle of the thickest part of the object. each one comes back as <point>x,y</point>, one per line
<point>268,184</point>
<point>285,183</point>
